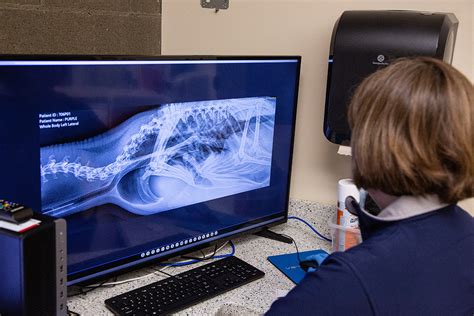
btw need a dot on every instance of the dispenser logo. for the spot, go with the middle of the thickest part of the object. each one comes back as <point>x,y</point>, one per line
<point>380,60</point>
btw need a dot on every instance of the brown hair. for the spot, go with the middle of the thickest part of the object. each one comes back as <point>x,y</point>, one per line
<point>413,130</point>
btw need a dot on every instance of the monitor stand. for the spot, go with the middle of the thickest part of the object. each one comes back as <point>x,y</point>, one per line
<point>266,233</point>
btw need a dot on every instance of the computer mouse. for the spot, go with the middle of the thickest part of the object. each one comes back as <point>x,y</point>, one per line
<point>313,261</point>
<point>306,264</point>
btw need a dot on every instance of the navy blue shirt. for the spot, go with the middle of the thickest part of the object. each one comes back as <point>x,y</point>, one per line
<point>422,265</point>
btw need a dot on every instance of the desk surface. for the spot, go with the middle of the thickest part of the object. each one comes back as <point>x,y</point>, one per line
<point>256,296</point>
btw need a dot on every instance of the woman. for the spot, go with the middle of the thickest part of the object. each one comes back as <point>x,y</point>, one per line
<point>413,151</point>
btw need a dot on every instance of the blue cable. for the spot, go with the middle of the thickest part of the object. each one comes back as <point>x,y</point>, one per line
<point>310,226</point>
<point>185,263</point>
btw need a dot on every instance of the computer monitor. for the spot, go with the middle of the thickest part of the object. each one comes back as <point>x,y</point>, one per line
<point>148,157</point>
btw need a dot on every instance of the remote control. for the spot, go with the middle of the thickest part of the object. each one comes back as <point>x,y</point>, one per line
<point>14,212</point>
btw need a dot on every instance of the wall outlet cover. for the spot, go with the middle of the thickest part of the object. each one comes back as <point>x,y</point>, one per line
<point>215,4</point>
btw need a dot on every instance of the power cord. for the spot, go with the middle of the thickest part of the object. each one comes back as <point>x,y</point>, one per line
<point>197,259</point>
<point>112,284</point>
<point>206,257</point>
<point>89,288</point>
<point>312,228</point>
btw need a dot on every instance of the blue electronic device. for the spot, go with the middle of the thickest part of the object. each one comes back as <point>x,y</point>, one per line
<point>148,157</point>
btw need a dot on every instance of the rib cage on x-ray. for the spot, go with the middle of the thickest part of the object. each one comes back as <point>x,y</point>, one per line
<point>175,155</point>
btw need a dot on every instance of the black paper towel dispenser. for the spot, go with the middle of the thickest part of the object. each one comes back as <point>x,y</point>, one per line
<point>364,41</point>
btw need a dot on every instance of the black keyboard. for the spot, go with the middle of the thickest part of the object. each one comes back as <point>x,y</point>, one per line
<point>185,289</point>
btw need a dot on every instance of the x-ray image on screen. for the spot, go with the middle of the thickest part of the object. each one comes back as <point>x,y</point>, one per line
<point>175,155</point>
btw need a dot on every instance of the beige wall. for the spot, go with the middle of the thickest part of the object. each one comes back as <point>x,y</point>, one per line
<point>302,28</point>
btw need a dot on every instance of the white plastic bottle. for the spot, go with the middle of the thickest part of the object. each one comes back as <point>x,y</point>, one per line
<point>347,234</point>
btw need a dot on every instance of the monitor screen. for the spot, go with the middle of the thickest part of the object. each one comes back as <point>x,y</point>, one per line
<point>147,158</point>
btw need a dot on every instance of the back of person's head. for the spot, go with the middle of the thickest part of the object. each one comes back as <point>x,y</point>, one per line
<point>413,130</point>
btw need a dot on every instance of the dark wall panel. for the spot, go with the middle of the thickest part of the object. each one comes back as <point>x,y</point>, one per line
<point>80,27</point>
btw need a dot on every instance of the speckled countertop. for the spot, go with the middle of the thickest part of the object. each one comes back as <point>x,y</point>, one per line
<point>253,298</point>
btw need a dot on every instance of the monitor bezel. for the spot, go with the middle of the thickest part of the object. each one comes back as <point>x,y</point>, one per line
<point>88,276</point>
